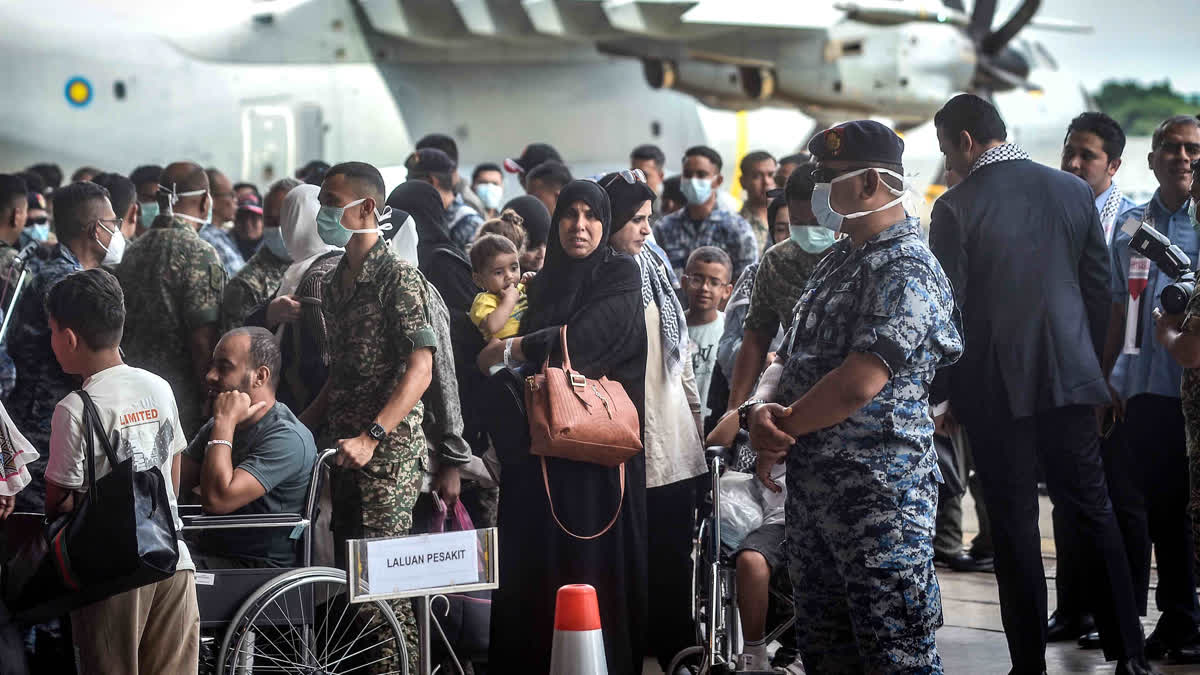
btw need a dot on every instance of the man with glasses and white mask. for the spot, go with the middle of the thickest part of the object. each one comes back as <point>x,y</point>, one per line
<point>89,235</point>
<point>846,405</point>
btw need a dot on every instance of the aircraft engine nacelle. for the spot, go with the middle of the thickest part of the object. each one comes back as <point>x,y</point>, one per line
<point>902,72</point>
<point>717,85</point>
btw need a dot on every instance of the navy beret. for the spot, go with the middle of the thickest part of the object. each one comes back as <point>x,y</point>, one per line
<point>865,141</point>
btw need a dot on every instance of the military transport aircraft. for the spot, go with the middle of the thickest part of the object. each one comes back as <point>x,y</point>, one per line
<point>260,87</point>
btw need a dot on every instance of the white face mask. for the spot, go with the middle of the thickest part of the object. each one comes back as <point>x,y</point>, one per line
<point>115,249</point>
<point>832,220</point>
<point>176,196</point>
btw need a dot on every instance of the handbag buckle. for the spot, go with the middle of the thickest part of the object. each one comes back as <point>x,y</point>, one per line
<point>578,381</point>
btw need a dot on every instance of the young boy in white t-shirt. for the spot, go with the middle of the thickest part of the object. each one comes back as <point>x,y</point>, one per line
<point>706,280</point>
<point>154,629</point>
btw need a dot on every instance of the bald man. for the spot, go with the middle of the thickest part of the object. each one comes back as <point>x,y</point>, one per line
<point>173,283</point>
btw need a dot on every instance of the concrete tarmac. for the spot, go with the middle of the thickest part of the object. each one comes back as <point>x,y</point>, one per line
<point>972,639</point>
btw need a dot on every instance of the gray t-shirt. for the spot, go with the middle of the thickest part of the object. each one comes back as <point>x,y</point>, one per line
<point>279,452</point>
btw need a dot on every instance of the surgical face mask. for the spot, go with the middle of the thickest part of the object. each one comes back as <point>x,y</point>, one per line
<point>176,196</point>
<point>696,190</point>
<point>149,211</point>
<point>490,194</point>
<point>40,231</point>
<point>115,249</point>
<point>812,238</point>
<point>331,231</point>
<point>273,241</point>
<point>833,220</point>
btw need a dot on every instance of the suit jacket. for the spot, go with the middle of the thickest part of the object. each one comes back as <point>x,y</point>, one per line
<point>1023,246</point>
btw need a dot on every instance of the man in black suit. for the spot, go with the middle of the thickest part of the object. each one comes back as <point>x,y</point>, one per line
<point>1023,247</point>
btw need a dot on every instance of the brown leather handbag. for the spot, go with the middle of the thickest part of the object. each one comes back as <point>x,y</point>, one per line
<point>580,419</point>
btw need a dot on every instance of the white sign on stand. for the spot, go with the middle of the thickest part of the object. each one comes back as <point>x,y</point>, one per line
<point>423,564</point>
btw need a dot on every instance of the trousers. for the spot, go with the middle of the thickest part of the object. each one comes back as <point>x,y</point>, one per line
<point>1007,453</point>
<point>860,556</point>
<point>1149,487</point>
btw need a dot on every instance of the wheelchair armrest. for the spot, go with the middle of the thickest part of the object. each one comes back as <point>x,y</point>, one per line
<point>254,520</point>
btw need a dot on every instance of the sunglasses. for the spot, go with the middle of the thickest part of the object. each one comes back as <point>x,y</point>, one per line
<point>631,176</point>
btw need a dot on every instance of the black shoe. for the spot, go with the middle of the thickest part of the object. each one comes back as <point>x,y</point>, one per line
<point>1062,627</point>
<point>1159,647</point>
<point>964,562</point>
<point>1136,666</point>
<point>1089,640</point>
<point>1184,655</point>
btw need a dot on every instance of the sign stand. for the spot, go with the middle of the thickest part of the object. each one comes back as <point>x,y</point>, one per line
<point>422,566</point>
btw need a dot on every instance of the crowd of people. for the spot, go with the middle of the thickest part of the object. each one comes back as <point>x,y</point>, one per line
<point>225,333</point>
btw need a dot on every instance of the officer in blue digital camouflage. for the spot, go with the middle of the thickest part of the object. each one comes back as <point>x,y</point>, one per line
<point>846,404</point>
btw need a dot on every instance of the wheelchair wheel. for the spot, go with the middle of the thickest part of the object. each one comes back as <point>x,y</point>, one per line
<point>302,622</point>
<point>692,658</point>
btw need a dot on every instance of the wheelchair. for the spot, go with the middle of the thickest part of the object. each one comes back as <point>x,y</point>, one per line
<point>279,620</point>
<point>714,587</point>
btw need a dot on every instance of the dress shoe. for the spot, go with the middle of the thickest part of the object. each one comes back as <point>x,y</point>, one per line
<point>1089,640</point>
<point>1062,627</point>
<point>1184,654</point>
<point>964,562</point>
<point>1136,666</point>
<point>1159,647</point>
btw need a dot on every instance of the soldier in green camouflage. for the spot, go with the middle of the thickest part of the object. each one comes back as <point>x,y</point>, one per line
<point>258,280</point>
<point>381,346</point>
<point>173,282</point>
<point>12,223</point>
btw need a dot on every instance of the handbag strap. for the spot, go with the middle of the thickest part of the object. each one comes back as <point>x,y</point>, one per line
<point>94,428</point>
<point>562,342</point>
<point>620,504</point>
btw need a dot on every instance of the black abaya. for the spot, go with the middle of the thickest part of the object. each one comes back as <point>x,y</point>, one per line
<point>606,336</point>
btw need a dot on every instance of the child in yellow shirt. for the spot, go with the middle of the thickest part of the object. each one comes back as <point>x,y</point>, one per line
<point>495,267</point>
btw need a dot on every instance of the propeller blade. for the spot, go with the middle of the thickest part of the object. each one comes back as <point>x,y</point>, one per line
<point>997,40</point>
<point>999,76</point>
<point>982,16</point>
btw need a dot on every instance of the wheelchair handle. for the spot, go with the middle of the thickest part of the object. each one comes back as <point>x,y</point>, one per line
<point>726,455</point>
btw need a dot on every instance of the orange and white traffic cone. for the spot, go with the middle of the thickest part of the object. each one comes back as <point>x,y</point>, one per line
<point>578,641</point>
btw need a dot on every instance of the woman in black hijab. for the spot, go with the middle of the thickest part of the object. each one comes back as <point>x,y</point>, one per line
<point>537,230</point>
<point>438,257</point>
<point>596,292</point>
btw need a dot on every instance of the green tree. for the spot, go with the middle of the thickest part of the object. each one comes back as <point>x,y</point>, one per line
<point>1139,108</point>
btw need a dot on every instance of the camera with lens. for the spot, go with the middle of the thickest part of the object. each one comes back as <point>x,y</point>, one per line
<point>1171,261</point>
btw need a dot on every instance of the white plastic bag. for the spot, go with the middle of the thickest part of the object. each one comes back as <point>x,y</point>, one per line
<point>741,508</point>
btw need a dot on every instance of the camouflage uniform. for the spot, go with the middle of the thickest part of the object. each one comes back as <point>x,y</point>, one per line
<point>373,326</point>
<point>173,283</point>
<point>781,277</point>
<point>41,382</point>
<point>761,228</point>
<point>1190,391</point>
<point>862,495</point>
<point>255,284</point>
<point>8,372</point>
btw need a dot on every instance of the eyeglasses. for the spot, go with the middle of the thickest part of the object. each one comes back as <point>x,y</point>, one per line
<point>110,224</point>
<point>1178,148</point>
<point>698,282</point>
<point>631,176</point>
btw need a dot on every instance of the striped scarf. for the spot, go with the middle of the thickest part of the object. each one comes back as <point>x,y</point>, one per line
<point>656,288</point>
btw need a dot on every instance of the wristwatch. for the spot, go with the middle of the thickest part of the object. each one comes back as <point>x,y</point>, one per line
<point>744,412</point>
<point>376,432</point>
